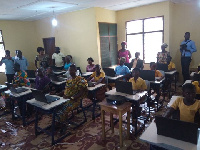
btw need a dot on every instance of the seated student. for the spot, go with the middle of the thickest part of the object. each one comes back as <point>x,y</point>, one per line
<point>42,81</point>
<point>67,62</point>
<point>157,72</point>
<point>187,105</point>
<point>122,69</point>
<point>97,76</point>
<point>171,65</point>
<point>135,63</point>
<point>67,74</point>
<point>20,78</point>
<point>90,67</point>
<point>137,82</point>
<point>75,90</point>
<point>197,87</point>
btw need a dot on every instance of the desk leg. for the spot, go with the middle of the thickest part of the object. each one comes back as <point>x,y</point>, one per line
<point>36,122</point>
<point>136,116</point>
<point>12,101</point>
<point>120,129</point>
<point>53,128</point>
<point>111,122</point>
<point>94,105</point>
<point>103,124</point>
<point>24,112</point>
<point>128,124</point>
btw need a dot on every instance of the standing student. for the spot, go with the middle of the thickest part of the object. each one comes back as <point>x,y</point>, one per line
<point>187,47</point>
<point>9,65</point>
<point>42,57</point>
<point>58,58</point>
<point>90,67</point>
<point>21,60</point>
<point>124,52</point>
<point>162,56</point>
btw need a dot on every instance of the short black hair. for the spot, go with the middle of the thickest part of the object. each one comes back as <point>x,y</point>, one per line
<point>70,56</point>
<point>187,86</point>
<point>97,66</point>
<point>73,66</point>
<point>91,59</point>
<point>187,33</point>
<point>40,49</point>
<point>137,54</point>
<point>152,63</point>
<point>136,69</point>
<point>7,51</point>
<point>57,48</point>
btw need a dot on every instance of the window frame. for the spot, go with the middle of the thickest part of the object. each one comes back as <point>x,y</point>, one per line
<point>143,33</point>
<point>4,50</point>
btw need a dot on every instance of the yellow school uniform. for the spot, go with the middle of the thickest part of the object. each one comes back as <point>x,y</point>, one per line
<point>187,113</point>
<point>171,66</point>
<point>196,84</point>
<point>102,75</point>
<point>158,73</point>
<point>139,84</point>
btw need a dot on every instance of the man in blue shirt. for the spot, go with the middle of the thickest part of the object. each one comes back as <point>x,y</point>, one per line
<point>122,69</point>
<point>187,47</point>
<point>9,65</point>
<point>21,60</point>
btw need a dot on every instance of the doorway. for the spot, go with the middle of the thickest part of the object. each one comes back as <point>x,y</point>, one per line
<point>49,47</point>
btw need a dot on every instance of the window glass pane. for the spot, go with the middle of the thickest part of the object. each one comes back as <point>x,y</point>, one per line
<point>1,39</point>
<point>153,24</point>
<point>135,44</point>
<point>152,45</point>
<point>2,54</point>
<point>134,26</point>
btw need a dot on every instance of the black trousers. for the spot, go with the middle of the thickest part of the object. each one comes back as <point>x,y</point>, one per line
<point>10,78</point>
<point>185,64</point>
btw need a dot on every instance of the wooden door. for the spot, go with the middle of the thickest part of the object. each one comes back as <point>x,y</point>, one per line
<point>49,46</point>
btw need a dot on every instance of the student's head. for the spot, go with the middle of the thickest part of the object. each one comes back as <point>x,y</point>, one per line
<point>57,49</point>
<point>187,35</point>
<point>152,65</point>
<point>90,60</point>
<point>123,44</point>
<point>7,53</point>
<point>163,46</point>
<point>19,53</point>
<point>122,61</point>
<point>97,68</point>
<point>72,70</point>
<point>49,70</point>
<point>40,50</point>
<point>136,72</point>
<point>68,59</point>
<point>189,92</point>
<point>16,67</point>
<point>40,72</point>
<point>137,54</point>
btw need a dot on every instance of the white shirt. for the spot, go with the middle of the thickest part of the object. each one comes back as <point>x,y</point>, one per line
<point>58,59</point>
<point>69,76</point>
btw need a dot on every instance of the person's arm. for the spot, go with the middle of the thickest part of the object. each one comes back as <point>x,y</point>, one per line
<point>93,74</point>
<point>2,61</point>
<point>169,112</point>
<point>192,48</point>
<point>129,54</point>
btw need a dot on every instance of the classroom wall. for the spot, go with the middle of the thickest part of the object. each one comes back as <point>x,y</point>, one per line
<point>19,35</point>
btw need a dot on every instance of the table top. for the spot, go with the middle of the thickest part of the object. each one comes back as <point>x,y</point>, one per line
<point>85,74</point>
<point>114,78</point>
<point>135,97</point>
<point>3,87</point>
<point>150,135</point>
<point>118,107</point>
<point>192,74</point>
<point>19,94</point>
<point>95,87</point>
<point>156,81</point>
<point>46,106</point>
<point>171,72</point>
<point>60,72</point>
<point>187,81</point>
<point>172,100</point>
<point>58,83</point>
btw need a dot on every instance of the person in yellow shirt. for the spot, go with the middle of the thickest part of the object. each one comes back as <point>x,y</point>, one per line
<point>187,105</point>
<point>157,72</point>
<point>171,65</point>
<point>137,82</point>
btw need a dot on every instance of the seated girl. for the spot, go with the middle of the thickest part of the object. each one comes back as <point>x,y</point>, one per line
<point>68,62</point>
<point>90,67</point>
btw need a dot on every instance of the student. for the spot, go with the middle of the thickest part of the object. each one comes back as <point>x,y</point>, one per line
<point>122,69</point>
<point>58,59</point>
<point>171,65</point>
<point>21,60</point>
<point>9,65</point>
<point>137,82</point>
<point>42,81</point>
<point>20,78</point>
<point>162,56</point>
<point>187,105</point>
<point>41,57</point>
<point>68,62</point>
<point>90,67</point>
<point>157,72</point>
<point>135,61</point>
<point>197,87</point>
<point>97,76</point>
<point>124,52</point>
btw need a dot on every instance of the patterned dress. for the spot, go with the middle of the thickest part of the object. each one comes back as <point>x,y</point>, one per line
<point>21,79</point>
<point>73,87</point>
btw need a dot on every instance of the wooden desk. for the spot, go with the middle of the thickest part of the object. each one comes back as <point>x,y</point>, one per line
<point>150,135</point>
<point>87,74</point>
<point>47,109</point>
<point>119,110</point>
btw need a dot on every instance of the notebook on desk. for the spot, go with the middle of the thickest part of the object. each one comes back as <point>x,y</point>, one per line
<point>163,67</point>
<point>109,72</point>
<point>39,96</point>
<point>177,129</point>
<point>18,90</point>
<point>125,87</point>
<point>147,75</point>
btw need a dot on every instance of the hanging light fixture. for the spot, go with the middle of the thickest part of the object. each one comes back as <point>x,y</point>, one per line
<point>54,20</point>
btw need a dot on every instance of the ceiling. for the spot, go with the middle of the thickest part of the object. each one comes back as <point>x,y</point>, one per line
<point>29,10</point>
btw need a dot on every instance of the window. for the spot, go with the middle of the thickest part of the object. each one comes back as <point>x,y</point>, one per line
<point>2,51</point>
<point>145,36</point>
